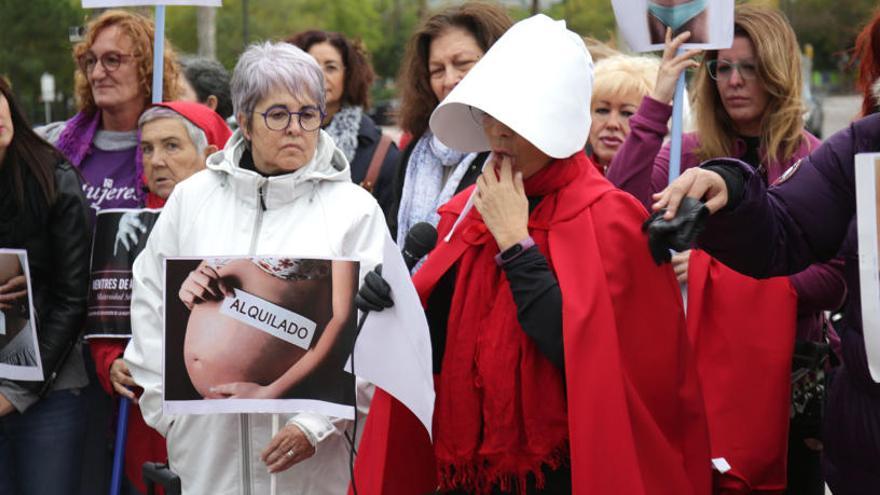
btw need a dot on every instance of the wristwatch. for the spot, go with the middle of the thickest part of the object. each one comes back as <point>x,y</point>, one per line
<point>513,252</point>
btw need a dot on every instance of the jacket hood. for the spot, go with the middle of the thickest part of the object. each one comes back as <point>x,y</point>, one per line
<point>328,165</point>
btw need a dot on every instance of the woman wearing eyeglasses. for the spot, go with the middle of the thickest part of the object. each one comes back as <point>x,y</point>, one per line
<point>275,190</point>
<point>113,87</point>
<point>747,102</point>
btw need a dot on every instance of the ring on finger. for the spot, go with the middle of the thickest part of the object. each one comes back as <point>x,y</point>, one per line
<point>290,453</point>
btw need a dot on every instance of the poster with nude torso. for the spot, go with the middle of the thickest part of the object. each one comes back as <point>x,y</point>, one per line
<point>643,23</point>
<point>19,349</point>
<point>259,334</point>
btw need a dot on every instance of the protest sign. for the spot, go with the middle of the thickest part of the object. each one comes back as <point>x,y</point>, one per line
<point>393,350</point>
<point>19,350</point>
<point>643,23</point>
<point>264,334</point>
<point>867,188</point>
<point>120,235</point>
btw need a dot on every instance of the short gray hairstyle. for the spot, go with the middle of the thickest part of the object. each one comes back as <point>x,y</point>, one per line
<point>196,134</point>
<point>264,67</point>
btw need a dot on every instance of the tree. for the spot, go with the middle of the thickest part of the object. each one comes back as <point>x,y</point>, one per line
<point>34,36</point>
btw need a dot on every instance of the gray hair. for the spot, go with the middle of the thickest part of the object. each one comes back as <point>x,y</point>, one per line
<point>264,67</point>
<point>195,133</point>
<point>208,77</point>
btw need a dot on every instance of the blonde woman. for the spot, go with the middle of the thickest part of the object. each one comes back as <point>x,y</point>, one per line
<point>621,81</point>
<point>747,101</point>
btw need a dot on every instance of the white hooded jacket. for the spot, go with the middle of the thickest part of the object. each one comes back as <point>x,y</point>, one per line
<point>226,210</point>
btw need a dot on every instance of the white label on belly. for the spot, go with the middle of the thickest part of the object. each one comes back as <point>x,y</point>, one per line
<point>270,318</point>
<point>2,323</point>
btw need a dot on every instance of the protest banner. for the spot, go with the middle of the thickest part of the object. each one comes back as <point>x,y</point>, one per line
<point>867,188</point>
<point>19,349</point>
<point>643,23</point>
<point>266,334</point>
<point>120,235</point>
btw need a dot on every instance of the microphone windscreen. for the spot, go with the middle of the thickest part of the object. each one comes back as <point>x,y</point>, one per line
<point>420,239</point>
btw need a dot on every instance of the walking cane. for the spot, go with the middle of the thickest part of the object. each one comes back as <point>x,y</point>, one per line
<point>119,446</point>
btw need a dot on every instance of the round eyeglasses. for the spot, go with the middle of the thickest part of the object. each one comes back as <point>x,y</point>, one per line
<point>721,70</point>
<point>110,61</point>
<point>278,118</point>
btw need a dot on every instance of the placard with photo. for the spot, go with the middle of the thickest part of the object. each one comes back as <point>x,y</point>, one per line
<point>120,236</point>
<point>264,334</point>
<point>643,23</point>
<point>19,349</point>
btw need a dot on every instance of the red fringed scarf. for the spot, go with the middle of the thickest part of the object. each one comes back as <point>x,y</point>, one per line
<point>501,408</point>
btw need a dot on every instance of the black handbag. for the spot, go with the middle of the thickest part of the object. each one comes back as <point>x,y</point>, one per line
<point>809,383</point>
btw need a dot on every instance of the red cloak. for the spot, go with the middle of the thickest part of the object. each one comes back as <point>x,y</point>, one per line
<point>636,422</point>
<point>743,331</point>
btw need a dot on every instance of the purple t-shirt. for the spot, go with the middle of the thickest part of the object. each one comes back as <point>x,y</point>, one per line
<point>110,175</point>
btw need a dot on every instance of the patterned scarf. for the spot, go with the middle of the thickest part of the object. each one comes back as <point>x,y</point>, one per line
<point>344,130</point>
<point>423,187</point>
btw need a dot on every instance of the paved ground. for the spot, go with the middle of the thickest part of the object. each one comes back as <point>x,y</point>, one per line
<point>839,112</point>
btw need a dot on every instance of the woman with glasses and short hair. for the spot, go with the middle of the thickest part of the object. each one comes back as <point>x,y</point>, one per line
<point>276,188</point>
<point>747,102</point>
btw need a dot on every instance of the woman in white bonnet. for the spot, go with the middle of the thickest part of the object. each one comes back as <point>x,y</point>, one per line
<point>560,347</point>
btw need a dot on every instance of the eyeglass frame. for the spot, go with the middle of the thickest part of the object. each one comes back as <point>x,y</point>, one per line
<point>123,57</point>
<point>711,68</point>
<point>290,117</point>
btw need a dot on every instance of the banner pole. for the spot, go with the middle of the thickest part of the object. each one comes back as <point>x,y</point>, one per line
<point>159,54</point>
<point>677,110</point>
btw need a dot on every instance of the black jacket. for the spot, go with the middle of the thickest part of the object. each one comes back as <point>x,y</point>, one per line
<point>368,139</point>
<point>469,177</point>
<point>57,240</point>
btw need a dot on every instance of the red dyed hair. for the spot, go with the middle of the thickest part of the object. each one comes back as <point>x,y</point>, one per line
<point>867,52</point>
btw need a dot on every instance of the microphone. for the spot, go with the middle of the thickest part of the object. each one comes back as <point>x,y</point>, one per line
<point>420,240</point>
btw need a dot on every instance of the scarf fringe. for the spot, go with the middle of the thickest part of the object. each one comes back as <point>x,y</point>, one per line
<point>479,476</point>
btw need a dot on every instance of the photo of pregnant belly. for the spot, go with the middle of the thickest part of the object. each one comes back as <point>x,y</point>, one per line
<point>18,349</point>
<point>259,328</point>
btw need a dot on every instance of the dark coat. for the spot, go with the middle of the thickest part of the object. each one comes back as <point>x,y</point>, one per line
<point>368,140</point>
<point>58,241</point>
<point>802,220</point>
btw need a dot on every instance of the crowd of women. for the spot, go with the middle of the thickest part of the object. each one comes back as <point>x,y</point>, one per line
<point>566,360</point>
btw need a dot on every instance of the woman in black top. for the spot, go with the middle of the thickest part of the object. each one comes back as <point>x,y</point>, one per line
<point>42,210</point>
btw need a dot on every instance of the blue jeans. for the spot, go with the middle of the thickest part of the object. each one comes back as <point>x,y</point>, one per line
<point>41,450</point>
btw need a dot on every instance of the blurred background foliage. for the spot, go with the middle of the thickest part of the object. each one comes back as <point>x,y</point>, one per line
<point>34,34</point>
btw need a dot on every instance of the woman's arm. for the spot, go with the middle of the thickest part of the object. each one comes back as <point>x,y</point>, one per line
<point>640,167</point>
<point>143,355</point>
<point>821,287</point>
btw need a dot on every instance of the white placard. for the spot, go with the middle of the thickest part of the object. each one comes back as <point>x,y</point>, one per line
<point>19,347</point>
<point>270,318</point>
<point>393,350</point>
<point>869,278</point>
<point>643,22</point>
<point>98,4</point>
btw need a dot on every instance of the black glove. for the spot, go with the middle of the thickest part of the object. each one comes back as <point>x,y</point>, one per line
<point>375,293</point>
<point>678,233</point>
